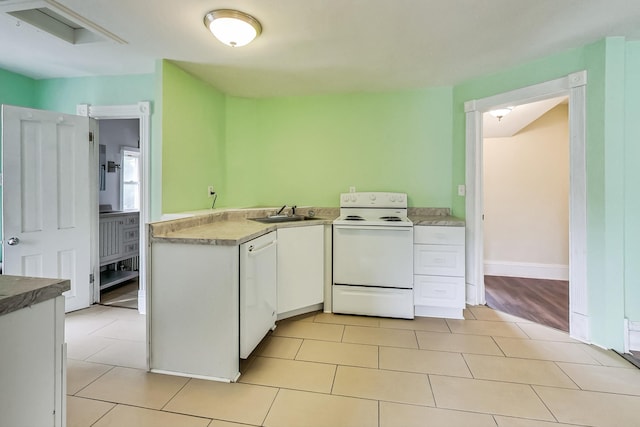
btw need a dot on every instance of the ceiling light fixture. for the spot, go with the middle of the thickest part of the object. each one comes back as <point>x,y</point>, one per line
<point>232,27</point>
<point>499,113</point>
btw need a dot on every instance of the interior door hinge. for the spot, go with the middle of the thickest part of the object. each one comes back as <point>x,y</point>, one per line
<point>90,136</point>
<point>91,278</point>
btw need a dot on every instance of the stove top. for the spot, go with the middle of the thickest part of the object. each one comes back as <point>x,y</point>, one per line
<point>373,209</point>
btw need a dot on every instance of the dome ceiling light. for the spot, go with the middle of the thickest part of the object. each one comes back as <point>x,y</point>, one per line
<point>232,27</point>
<point>499,113</point>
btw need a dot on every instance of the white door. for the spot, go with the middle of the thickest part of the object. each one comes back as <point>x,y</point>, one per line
<point>46,199</point>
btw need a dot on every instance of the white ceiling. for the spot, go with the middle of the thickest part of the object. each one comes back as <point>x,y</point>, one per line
<point>318,46</point>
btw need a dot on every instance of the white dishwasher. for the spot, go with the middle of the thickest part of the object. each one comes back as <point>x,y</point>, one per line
<point>258,296</point>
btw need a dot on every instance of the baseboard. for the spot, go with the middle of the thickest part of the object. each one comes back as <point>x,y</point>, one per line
<point>526,270</point>
<point>632,333</point>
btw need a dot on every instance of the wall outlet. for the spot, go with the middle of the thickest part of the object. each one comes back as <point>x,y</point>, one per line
<point>462,190</point>
<point>210,191</point>
<point>352,189</point>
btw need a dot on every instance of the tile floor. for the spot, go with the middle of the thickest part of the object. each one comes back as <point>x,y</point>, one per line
<point>491,369</point>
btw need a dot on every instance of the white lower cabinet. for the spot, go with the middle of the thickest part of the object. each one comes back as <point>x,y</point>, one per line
<point>193,312</point>
<point>300,270</point>
<point>33,374</point>
<point>439,263</point>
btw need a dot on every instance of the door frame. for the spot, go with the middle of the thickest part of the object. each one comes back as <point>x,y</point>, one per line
<point>574,85</point>
<point>142,112</point>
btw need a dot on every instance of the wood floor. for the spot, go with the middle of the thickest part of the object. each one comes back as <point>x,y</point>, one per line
<point>539,300</point>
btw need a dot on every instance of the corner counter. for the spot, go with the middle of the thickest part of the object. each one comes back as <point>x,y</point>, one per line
<point>33,351</point>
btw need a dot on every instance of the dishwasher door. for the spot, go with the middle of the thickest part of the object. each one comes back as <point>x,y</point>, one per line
<point>258,296</point>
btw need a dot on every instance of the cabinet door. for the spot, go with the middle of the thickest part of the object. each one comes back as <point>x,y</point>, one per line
<point>300,267</point>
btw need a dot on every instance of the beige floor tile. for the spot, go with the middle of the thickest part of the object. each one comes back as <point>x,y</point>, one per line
<point>80,374</point>
<point>339,353</point>
<point>418,324</point>
<point>302,409</point>
<point>541,332</point>
<point>399,415</point>
<point>281,347</point>
<point>131,354</point>
<point>545,350</point>
<point>486,327</point>
<point>134,387</point>
<point>310,330</point>
<point>482,312</point>
<point>379,336</point>
<point>293,374</point>
<point>525,371</point>
<point>458,343</point>
<point>82,347</point>
<point>345,319</point>
<point>590,408</point>
<point>467,314</point>
<point>521,422</point>
<point>130,330</point>
<point>423,361</point>
<point>240,403</point>
<point>84,412</point>
<point>219,423</point>
<point>392,386</point>
<point>604,378</point>
<point>123,415</point>
<point>81,325</point>
<point>489,397</point>
<point>607,357</point>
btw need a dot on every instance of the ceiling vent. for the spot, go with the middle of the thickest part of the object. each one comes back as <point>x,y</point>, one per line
<point>59,21</point>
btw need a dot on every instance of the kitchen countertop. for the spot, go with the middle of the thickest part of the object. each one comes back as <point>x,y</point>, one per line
<point>234,227</point>
<point>18,292</point>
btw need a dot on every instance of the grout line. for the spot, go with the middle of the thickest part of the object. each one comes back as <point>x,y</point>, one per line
<point>112,367</point>
<point>544,403</point>
<point>270,406</point>
<point>175,394</point>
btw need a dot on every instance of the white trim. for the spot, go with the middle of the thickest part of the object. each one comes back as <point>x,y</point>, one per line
<point>575,86</point>
<point>526,269</point>
<point>142,112</point>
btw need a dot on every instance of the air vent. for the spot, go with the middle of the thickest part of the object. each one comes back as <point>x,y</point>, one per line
<point>62,22</point>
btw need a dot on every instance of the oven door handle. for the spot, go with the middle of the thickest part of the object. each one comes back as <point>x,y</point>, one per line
<point>372,227</point>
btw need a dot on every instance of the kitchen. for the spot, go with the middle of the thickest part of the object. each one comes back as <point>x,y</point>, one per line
<point>309,145</point>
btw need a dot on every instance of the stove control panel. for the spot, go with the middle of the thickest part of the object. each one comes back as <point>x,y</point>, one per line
<point>373,199</point>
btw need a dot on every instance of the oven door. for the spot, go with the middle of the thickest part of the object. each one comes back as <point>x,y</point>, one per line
<point>373,256</point>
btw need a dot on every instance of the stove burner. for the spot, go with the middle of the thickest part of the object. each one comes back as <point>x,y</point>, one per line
<point>391,218</point>
<point>353,218</point>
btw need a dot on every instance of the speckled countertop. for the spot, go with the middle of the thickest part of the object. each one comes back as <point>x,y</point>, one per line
<point>17,292</point>
<point>234,227</point>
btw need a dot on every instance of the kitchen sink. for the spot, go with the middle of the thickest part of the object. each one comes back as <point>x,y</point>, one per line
<point>282,218</point>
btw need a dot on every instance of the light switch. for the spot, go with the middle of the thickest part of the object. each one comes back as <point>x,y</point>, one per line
<point>461,190</point>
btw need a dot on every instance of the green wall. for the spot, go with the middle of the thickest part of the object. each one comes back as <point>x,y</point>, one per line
<point>193,135</point>
<point>307,150</point>
<point>632,178</point>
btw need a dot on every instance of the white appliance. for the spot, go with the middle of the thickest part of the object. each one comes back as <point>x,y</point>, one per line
<point>258,296</point>
<point>373,256</point>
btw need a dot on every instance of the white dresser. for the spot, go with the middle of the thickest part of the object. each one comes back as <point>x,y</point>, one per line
<point>438,267</point>
<point>119,234</point>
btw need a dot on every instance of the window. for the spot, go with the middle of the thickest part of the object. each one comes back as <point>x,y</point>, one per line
<point>130,179</point>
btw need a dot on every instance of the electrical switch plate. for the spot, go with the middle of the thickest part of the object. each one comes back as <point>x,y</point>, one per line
<point>210,191</point>
<point>352,189</point>
<point>461,190</point>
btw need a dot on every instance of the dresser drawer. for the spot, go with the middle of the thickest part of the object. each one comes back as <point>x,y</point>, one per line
<point>438,235</point>
<point>131,249</point>
<point>438,291</point>
<point>439,260</point>
<point>130,234</point>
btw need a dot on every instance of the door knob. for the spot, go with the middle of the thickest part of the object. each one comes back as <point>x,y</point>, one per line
<point>13,241</point>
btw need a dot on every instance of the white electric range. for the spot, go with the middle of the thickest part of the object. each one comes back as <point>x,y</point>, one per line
<point>373,256</point>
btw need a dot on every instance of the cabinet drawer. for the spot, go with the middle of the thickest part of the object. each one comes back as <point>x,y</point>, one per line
<point>438,235</point>
<point>130,234</point>
<point>130,248</point>
<point>438,291</point>
<point>439,260</point>
<point>131,220</point>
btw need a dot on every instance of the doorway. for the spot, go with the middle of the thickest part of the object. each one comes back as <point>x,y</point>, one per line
<point>574,86</point>
<point>526,211</point>
<point>135,229</point>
